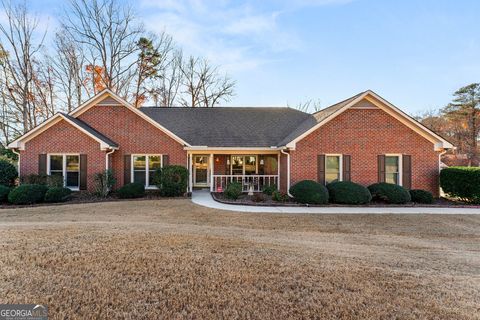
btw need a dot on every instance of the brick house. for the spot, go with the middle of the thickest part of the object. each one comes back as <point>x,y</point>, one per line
<point>364,139</point>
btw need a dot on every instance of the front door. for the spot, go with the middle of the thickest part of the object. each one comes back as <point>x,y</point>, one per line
<point>200,171</point>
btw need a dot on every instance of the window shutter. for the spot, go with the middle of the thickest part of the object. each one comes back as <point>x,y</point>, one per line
<point>227,165</point>
<point>83,172</point>
<point>42,164</point>
<point>407,171</point>
<point>346,167</point>
<point>381,168</point>
<point>127,167</point>
<point>321,169</point>
<point>165,160</point>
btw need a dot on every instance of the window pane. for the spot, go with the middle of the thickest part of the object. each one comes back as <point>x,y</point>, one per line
<point>139,176</point>
<point>250,165</point>
<point>237,165</point>
<point>73,179</point>
<point>333,163</point>
<point>331,177</point>
<point>391,178</point>
<point>391,164</point>
<point>73,163</point>
<point>56,173</point>
<point>56,163</point>
<point>153,162</point>
<point>139,163</point>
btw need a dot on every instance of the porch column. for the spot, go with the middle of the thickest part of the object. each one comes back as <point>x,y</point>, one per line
<point>211,171</point>
<point>190,171</point>
<point>278,171</point>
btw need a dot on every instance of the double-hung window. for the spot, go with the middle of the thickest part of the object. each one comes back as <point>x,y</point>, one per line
<point>68,167</point>
<point>393,169</point>
<point>144,167</point>
<point>333,168</point>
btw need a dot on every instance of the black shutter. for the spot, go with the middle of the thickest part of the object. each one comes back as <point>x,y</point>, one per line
<point>381,168</point>
<point>407,171</point>
<point>42,164</point>
<point>165,160</point>
<point>346,167</point>
<point>83,172</point>
<point>321,169</point>
<point>127,169</point>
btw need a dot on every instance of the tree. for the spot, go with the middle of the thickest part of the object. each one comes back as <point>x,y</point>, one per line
<point>465,111</point>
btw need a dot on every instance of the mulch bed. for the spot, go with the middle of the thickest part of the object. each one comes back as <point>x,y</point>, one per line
<point>246,200</point>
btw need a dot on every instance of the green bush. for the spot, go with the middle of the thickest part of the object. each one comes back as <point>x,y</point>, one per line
<point>308,191</point>
<point>279,196</point>
<point>8,173</point>
<point>131,190</point>
<point>57,194</point>
<point>4,191</point>
<point>43,179</point>
<point>390,193</point>
<point>421,196</point>
<point>462,183</point>
<point>174,181</point>
<point>346,192</point>
<point>269,189</point>
<point>233,190</point>
<point>27,194</point>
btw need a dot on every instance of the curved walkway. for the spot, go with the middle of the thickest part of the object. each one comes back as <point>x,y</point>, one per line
<point>203,198</point>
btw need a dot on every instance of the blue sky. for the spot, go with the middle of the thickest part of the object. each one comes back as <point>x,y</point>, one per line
<point>413,53</point>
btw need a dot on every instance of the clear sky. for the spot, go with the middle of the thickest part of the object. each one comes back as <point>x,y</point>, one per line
<point>413,53</point>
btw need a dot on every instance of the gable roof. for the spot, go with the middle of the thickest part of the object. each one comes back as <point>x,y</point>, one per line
<point>229,126</point>
<point>99,136</point>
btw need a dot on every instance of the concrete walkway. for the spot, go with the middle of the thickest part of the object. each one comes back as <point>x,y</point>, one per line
<point>203,198</point>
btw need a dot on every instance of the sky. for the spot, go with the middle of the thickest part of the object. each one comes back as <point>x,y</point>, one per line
<point>413,53</point>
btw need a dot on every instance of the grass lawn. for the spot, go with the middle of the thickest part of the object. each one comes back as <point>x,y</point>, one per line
<point>173,259</point>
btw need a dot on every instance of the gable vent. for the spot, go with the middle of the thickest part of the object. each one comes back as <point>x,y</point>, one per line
<point>109,101</point>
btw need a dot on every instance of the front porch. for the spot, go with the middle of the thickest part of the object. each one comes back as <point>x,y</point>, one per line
<point>253,170</point>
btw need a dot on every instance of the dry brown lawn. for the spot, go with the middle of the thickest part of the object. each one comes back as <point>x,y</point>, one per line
<point>169,259</point>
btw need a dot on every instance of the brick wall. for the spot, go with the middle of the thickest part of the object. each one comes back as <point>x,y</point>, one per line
<point>364,134</point>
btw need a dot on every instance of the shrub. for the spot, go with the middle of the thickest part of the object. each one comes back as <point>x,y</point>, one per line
<point>131,190</point>
<point>421,196</point>
<point>391,193</point>
<point>104,182</point>
<point>346,192</point>
<point>43,179</point>
<point>4,191</point>
<point>174,180</point>
<point>279,196</point>
<point>8,173</point>
<point>258,197</point>
<point>57,194</point>
<point>233,190</point>
<point>157,178</point>
<point>269,189</point>
<point>27,194</point>
<point>308,191</point>
<point>461,182</point>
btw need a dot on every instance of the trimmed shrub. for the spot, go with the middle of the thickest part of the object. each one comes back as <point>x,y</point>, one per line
<point>390,193</point>
<point>346,192</point>
<point>57,194</point>
<point>27,194</point>
<point>308,191</point>
<point>269,189</point>
<point>462,183</point>
<point>279,196</point>
<point>233,190</point>
<point>157,178</point>
<point>174,181</point>
<point>421,196</point>
<point>43,179</point>
<point>8,173</point>
<point>131,190</point>
<point>258,197</point>
<point>4,191</point>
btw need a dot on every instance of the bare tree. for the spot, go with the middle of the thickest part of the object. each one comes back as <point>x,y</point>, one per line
<point>308,106</point>
<point>166,87</point>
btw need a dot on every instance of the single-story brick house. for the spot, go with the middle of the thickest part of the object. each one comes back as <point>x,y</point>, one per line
<point>364,139</point>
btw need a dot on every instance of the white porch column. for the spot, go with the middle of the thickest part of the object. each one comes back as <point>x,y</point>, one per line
<point>190,171</point>
<point>211,172</point>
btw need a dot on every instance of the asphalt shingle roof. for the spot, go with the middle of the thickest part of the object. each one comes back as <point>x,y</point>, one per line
<point>92,131</point>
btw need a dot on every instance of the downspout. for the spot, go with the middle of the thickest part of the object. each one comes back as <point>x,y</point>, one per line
<point>288,171</point>
<point>18,161</point>
<point>440,191</point>
<point>106,158</point>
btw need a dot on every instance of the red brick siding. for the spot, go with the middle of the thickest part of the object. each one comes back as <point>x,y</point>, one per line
<point>62,138</point>
<point>133,134</point>
<point>220,166</point>
<point>283,172</point>
<point>364,134</point>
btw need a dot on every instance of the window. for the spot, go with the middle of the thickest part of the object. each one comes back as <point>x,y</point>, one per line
<point>392,169</point>
<point>244,165</point>
<point>143,168</point>
<point>333,165</point>
<point>66,166</point>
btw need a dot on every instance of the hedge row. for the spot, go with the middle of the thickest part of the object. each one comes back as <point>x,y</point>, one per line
<point>462,183</point>
<point>33,193</point>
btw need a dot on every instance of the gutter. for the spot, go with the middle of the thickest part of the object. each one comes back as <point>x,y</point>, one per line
<point>288,171</point>
<point>106,158</point>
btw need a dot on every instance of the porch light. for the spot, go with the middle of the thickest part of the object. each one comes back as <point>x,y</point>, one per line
<point>228,161</point>
<point>261,162</point>
<point>217,159</point>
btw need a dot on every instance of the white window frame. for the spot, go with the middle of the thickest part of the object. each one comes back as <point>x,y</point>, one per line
<point>340,164</point>
<point>400,166</point>
<point>64,168</point>
<point>147,172</point>
<point>243,156</point>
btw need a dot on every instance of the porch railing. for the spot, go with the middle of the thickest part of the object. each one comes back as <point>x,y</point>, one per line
<point>255,182</point>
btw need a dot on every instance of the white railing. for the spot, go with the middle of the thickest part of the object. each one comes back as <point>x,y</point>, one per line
<point>255,182</point>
